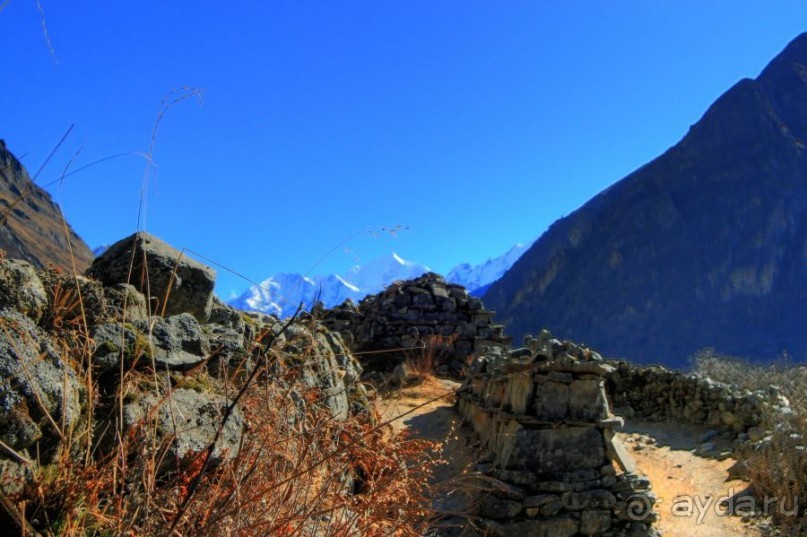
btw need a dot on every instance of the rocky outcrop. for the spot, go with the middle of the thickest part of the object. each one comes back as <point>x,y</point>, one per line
<point>32,226</point>
<point>543,418</point>
<point>702,247</point>
<point>163,381</point>
<point>425,317</point>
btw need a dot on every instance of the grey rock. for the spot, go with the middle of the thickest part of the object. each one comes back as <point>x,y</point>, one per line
<point>114,341</point>
<point>35,382</point>
<point>227,350</point>
<point>227,316</point>
<point>326,365</point>
<point>21,289</point>
<point>403,374</point>
<point>553,450</point>
<point>545,505</point>
<point>15,475</point>
<point>72,300</point>
<point>540,500</point>
<point>595,522</point>
<point>587,400</point>
<point>158,271</point>
<point>592,499</point>
<point>552,400</point>
<point>494,507</point>
<point>554,527</point>
<point>188,420</point>
<point>179,342</point>
<point>126,303</point>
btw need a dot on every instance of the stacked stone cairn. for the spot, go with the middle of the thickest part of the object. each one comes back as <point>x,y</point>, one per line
<point>408,318</point>
<point>543,419</point>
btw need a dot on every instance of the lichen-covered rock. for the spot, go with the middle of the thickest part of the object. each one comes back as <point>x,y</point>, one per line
<point>21,289</point>
<point>36,385</point>
<point>179,342</point>
<point>227,351</point>
<point>178,283</point>
<point>116,341</point>
<point>189,420</point>
<point>126,303</point>
<point>327,366</point>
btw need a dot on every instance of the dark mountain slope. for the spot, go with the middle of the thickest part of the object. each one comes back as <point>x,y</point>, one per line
<point>705,246</point>
<point>31,225</point>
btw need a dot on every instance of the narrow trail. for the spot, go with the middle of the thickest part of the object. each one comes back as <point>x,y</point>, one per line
<point>436,420</point>
<point>690,488</point>
<point>694,492</point>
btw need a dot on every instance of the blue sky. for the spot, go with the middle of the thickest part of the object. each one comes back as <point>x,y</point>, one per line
<point>471,125</point>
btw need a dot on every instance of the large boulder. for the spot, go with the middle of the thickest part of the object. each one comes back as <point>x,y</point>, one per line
<point>168,277</point>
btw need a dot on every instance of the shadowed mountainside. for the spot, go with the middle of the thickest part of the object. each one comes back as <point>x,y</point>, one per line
<point>705,246</point>
<point>31,224</point>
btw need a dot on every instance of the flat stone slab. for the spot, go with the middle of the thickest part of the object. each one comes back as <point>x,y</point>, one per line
<point>554,450</point>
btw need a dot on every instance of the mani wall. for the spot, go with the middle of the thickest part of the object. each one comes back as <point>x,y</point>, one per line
<point>543,418</point>
<point>660,394</point>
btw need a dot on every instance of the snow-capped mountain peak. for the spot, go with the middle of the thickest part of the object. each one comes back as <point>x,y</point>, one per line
<point>478,278</point>
<point>281,294</point>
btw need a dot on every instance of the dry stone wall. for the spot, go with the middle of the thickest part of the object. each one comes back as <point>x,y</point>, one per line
<point>543,418</point>
<point>424,315</point>
<point>660,394</point>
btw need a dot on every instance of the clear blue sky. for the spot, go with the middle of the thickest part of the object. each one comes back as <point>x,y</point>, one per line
<point>475,124</point>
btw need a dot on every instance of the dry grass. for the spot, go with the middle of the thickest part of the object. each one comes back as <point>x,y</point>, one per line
<point>422,359</point>
<point>777,464</point>
<point>298,471</point>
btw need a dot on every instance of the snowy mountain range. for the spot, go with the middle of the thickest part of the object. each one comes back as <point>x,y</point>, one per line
<point>477,278</point>
<point>281,294</point>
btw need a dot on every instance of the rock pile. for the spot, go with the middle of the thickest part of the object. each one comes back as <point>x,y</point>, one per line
<point>426,315</point>
<point>61,332</point>
<point>542,416</point>
<point>660,394</point>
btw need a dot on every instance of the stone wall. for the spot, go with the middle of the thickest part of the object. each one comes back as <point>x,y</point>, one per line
<point>660,394</point>
<point>409,318</point>
<point>543,418</point>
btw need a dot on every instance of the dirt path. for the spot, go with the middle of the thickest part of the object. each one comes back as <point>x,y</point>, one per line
<point>432,417</point>
<point>689,487</point>
<point>453,484</point>
<point>691,490</point>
